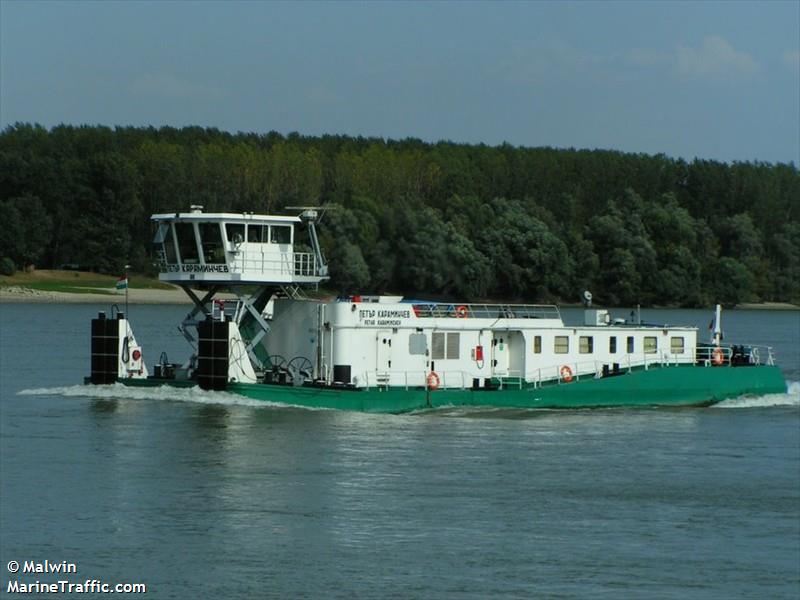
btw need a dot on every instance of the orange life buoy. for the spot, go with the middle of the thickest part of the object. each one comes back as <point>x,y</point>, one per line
<point>433,381</point>
<point>461,312</point>
<point>717,356</point>
<point>566,373</point>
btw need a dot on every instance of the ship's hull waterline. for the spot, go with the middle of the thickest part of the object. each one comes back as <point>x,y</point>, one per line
<point>666,386</point>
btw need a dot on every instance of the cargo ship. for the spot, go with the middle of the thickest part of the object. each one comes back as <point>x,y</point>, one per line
<point>271,342</point>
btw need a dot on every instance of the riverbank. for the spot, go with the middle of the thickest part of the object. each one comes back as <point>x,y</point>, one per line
<point>82,287</point>
<point>768,306</point>
<point>18,294</point>
<point>174,295</point>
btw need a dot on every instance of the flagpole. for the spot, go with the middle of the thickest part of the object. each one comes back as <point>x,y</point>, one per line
<point>127,316</point>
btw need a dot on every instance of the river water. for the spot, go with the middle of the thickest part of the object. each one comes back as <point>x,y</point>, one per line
<point>211,495</point>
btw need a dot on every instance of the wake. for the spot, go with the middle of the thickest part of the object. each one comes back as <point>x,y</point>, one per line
<point>791,398</point>
<point>196,395</point>
<point>118,391</point>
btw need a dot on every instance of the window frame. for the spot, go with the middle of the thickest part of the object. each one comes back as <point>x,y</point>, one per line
<point>274,228</point>
<point>445,345</point>
<point>192,257</point>
<point>229,234</point>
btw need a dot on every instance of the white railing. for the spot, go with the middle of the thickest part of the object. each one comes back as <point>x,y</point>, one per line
<point>384,378</point>
<point>294,263</point>
<point>446,379</point>
<point>587,369</point>
<point>705,356</point>
<point>305,263</point>
<point>736,355</point>
<point>487,311</point>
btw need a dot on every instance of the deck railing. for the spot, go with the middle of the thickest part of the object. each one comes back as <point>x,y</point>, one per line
<point>487,311</point>
<point>295,263</point>
<point>702,356</point>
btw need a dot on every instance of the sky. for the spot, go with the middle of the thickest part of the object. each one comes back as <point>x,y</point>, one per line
<point>710,80</point>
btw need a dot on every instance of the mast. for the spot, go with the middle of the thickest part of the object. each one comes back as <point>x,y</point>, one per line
<point>716,338</point>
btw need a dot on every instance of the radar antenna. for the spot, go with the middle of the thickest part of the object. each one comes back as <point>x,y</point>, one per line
<point>311,215</point>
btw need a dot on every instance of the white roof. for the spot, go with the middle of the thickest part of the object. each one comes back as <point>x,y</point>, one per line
<point>226,217</point>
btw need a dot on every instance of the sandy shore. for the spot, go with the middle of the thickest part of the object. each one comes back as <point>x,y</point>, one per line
<point>135,296</point>
<point>177,296</point>
<point>769,306</point>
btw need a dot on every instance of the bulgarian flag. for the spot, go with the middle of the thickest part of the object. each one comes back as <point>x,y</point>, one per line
<point>122,283</point>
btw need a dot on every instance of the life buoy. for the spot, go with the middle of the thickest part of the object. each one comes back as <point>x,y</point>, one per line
<point>717,356</point>
<point>566,373</point>
<point>433,381</point>
<point>461,312</point>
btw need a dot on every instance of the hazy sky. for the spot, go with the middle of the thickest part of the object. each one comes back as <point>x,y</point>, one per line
<point>709,80</point>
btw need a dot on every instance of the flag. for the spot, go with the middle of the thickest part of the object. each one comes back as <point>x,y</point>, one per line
<point>122,283</point>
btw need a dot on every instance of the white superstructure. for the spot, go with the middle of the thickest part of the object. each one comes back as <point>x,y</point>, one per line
<point>384,341</point>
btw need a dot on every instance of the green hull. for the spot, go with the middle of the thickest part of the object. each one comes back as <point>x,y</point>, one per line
<point>662,386</point>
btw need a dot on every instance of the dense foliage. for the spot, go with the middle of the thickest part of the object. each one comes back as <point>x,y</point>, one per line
<point>446,219</point>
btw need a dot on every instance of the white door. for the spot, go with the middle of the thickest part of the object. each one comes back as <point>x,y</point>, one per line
<point>383,354</point>
<point>500,354</point>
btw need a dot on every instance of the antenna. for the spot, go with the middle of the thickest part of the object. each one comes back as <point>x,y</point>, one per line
<point>587,298</point>
<point>313,213</point>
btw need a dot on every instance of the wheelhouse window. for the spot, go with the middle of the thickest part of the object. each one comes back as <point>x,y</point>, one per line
<point>235,234</point>
<point>676,345</point>
<point>612,344</point>
<point>631,346</point>
<point>187,245</point>
<point>257,234</point>
<point>280,234</point>
<point>537,344</point>
<point>586,344</point>
<point>445,345</point>
<point>211,242</point>
<point>561,344</point>
<point>169,246</point>
<point>650,344</point>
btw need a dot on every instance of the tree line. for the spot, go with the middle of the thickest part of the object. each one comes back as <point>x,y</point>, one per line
<point>433,219</point>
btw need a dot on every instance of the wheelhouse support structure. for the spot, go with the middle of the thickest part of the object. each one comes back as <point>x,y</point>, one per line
<point>250,255</point>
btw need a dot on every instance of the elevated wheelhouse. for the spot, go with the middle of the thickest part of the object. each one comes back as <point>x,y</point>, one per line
<point>256,257</point>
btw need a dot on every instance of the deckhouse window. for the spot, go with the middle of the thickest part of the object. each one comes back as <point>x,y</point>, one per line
<point>280,234</point>
<point>445,345</point>
<point>676,345</point>
<point>650,344</point>
<point>537,344</point>
<point>257,234</point>
<point>417,344</point>
<point>612,344</point>
<point>586,344</point>
<point>211,242</point>
<point>187,245</point>
<point>235,233</point>
<point>561,344</point>
<point>169,246</point>
<point>630,344</point>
